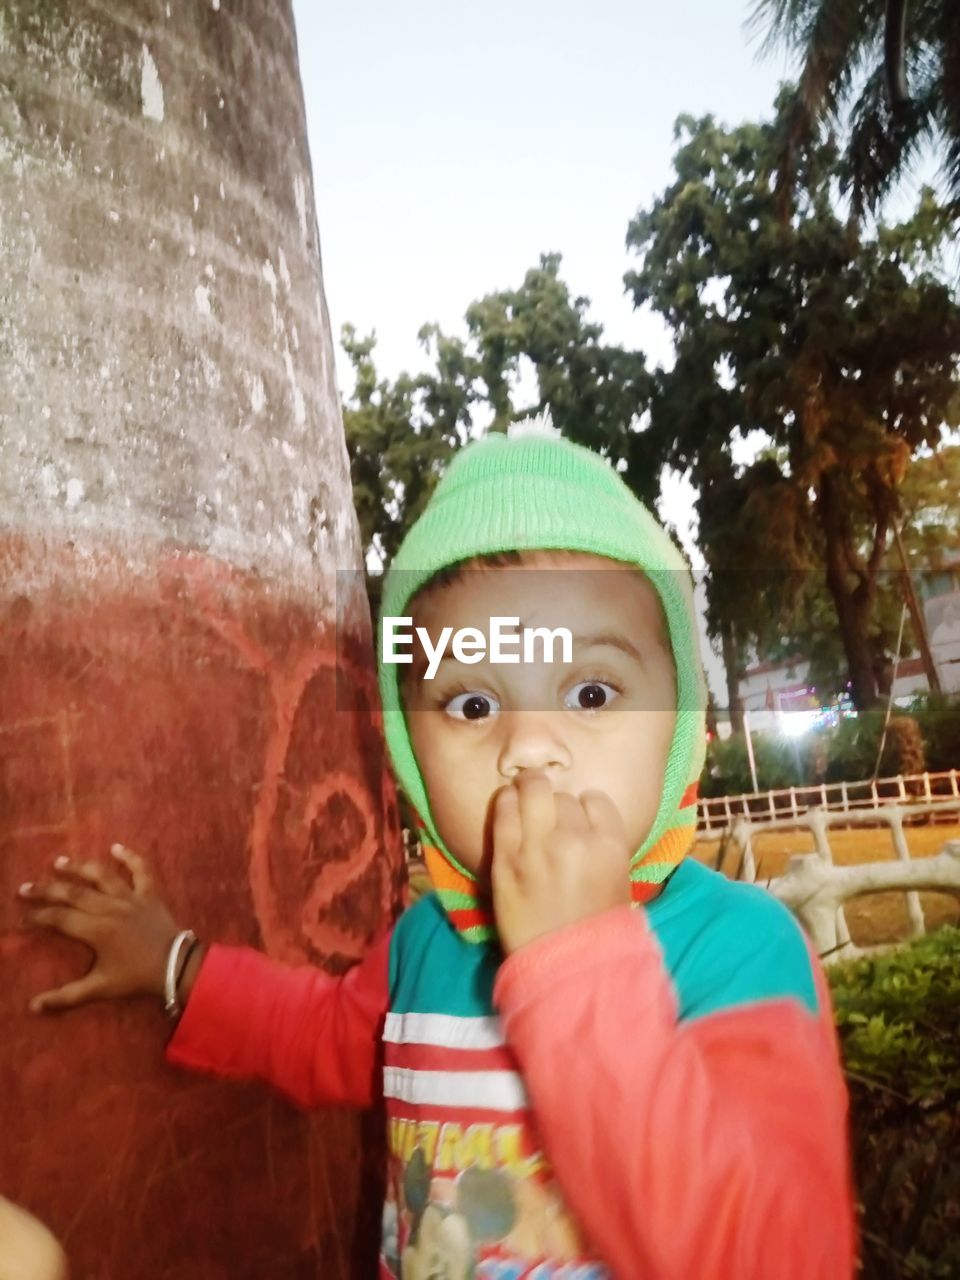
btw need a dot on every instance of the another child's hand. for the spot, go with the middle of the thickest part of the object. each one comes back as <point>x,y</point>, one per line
<point>556,859</point>
<point>123,920</point>
<point>27,1249</point>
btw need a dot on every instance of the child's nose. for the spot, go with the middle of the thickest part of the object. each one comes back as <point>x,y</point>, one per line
<point>531,741</point>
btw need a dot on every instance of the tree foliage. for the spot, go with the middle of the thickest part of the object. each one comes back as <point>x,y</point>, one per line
<point>838,346</point>
<point>888,73</point>
<point>597,393</point>
<point>930,507</point>
<point>401,434</point>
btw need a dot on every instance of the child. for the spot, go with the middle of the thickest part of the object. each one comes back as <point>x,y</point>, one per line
<point>599,1058</point>
<point>27,1249</point>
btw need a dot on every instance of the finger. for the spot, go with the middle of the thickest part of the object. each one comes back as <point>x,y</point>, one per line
<point>507,832</point>
<point>603,815</point>
<point>66,893</point>
<point>565,853</point>
<point>538,813</point>
<point>75,924</point>
<point>70,995</point>
<point>98,875</point>
<point>570,814</point>
<point>137,866</point>
<point>506,878</point>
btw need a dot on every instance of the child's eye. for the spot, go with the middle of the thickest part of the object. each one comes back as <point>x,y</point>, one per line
<point>472,706</point>
<point>590,695</point>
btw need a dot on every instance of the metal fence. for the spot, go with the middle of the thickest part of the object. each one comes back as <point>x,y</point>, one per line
<point>717,814</point>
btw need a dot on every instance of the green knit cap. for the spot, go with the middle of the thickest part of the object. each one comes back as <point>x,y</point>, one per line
<point>533,490</point>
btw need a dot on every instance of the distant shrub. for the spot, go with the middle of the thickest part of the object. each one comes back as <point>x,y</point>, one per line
<point>939,721</point>
<point>925,736</point>
<point>903,751</point>
<point>852,747</point>
<point>780,762</point>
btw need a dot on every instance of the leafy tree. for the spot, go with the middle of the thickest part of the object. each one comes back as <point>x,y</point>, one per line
<point>889,69</point>
<point>400,436</point>
<point>930,506</point>
<point>798,617</point>
<point>841,347</point>
<point>597,393</point>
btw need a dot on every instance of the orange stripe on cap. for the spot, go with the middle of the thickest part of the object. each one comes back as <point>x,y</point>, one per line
<point>690,795</point>
<point>444,876</point>
<point>672,845</point>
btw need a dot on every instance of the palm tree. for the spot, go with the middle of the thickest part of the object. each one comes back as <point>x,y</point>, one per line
<point>887,70</point>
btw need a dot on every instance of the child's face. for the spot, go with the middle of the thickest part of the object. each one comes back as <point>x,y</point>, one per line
<point>602,722</point>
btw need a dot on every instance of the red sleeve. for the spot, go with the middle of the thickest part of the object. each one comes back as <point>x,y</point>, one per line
<point>314,1037</point>
<point>714,1147</point>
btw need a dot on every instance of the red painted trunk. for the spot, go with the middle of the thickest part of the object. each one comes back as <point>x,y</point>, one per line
<point>174,505</point>
<point>191,714</point>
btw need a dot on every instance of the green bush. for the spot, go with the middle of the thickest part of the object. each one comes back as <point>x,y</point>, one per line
<point>852,747</point>
<point>898,1016</point>
<point>939,721</point>
<point>904,750</point>
<point>780,762</point>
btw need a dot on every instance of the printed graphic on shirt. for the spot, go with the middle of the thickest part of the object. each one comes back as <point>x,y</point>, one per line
<point>470,1194</point>
<point>479,1222</point>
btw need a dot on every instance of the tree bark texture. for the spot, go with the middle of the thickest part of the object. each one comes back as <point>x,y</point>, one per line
<point>852,582</point>
<point>732,668</point>
<point>182,668</point>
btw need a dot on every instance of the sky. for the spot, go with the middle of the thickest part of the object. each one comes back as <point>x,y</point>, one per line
<point>452,144</point>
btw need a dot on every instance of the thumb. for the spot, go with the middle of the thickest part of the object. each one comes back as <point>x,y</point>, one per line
<point>69,996</point>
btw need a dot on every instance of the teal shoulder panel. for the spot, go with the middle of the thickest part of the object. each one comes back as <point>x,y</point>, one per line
<point>434,970</point>
<point>728,944</point>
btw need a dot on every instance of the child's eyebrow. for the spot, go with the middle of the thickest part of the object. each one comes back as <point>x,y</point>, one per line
<point>611,640</point>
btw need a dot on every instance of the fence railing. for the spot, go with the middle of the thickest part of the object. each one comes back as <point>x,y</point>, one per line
<point>816,889</point>
<point>717,814</point>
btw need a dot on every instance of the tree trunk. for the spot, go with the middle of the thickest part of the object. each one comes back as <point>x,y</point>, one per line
<point>732,669</point>
<point>894,61</point>
<point>174,505</point>
<point>853,614</point>
<point>854,603</point>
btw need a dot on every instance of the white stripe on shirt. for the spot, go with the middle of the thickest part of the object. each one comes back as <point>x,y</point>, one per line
<point>481,1090</point>
<point>443,1030</point>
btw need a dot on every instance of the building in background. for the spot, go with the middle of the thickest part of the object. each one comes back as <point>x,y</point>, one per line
<point>940,592</point>
<point>778,696</point>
